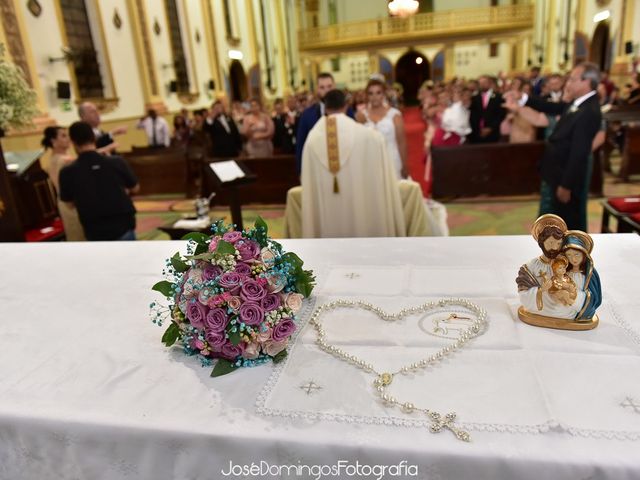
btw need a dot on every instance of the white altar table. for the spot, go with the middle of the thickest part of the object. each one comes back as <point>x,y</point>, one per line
<point>87,391</point>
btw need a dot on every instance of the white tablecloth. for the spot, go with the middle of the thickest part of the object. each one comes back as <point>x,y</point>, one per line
<point>88,391</point>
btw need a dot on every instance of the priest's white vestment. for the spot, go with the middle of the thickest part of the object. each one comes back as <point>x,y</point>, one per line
<point>367,203</point>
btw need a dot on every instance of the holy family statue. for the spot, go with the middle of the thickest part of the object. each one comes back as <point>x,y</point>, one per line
<point>560,288</point>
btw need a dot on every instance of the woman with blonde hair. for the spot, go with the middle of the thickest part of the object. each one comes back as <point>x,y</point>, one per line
<point>57,139</point>
<point>388,121</point>
<point>258,128</point>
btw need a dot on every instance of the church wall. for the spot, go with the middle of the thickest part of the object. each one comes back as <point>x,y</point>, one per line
<point>222,44</point>
<point>123,61</point>
<point>201,66</point>
<point>471,60</point>
<point>44,36</point>
<point>440,5</point>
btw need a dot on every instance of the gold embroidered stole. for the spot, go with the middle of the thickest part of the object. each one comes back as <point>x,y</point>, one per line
<point>332,151</point>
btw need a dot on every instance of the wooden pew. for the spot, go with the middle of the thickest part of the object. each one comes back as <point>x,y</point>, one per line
<point>629,117</point>
<point>159,170</point>
<point>494,169</point>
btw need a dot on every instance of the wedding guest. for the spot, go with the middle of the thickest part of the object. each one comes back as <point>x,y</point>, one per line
<point>181,131</point>
<point>285,123</point>
<point>156,128</point>
<point>88,112</point>
<point>223,132</point>
<point>57,139</point>
<point>99,188</point>
<point>258,128</point>
<point>486,113</point>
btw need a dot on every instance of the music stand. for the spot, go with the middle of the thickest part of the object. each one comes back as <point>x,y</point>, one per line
<point>228,184</point>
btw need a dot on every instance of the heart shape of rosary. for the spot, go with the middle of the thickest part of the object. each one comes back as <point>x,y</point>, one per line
<point>384,379</point>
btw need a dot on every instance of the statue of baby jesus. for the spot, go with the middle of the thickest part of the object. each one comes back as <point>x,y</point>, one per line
<point>561,286</point>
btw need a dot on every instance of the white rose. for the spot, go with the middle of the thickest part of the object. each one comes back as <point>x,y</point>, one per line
<point>268,256</point>
<point>293,301</point>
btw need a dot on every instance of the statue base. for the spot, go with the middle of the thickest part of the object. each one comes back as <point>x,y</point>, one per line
<point>557,323</point>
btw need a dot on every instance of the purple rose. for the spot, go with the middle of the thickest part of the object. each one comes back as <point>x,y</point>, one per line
<point>248,249</point>
<point>215,339</point>
<point>230,352</point>
<point>283,330</point>
<point>232,237</point>
<point>216,320</point>
<point>251,313</point>
<point>270,302</point>
<point>211,272</point>
<point>230,281</point>
<point>252,291</point>
<point>196,313</point>
<point>243,269</point>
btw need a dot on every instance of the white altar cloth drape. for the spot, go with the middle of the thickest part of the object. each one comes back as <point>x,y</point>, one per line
<point>88,391</point>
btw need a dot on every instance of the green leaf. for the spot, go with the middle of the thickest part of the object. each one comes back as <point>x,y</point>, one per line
<point>234,338</point>
<point>260,223</point>
<point>305,282</point>
<point>201,256</point>
<point>223,367</point>
<point>197,237</point>
<point>280,356</point>
<point>165,288</point>
<point>293,259</point>
<point>171,335</point>
<point>200,249</point>
<point>225,248</point>
<point>178,263</point>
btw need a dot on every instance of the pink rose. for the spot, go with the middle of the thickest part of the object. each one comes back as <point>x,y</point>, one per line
<point>196,275</point>
<point>293,301</point>
<point>234,303</point>
<point>273,348</point>
<point>197,344</point>
<point>251,350</point>
<point>264,336</point>
<point>214,244</point>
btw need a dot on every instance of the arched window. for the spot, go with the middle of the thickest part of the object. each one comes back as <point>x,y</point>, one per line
<point>87,49</point>
<point>177,47</point>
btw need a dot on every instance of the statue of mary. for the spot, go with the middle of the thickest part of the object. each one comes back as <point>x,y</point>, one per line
<point>577,247</point>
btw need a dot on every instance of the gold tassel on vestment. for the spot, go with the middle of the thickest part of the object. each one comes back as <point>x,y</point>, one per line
<point>336,188</point>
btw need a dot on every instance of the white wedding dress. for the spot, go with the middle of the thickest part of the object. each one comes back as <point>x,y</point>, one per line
<point>388,130</point>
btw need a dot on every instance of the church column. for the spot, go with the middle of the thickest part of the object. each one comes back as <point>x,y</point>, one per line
<point>374,62</point>
<point>621,66</point>
<point>212,46</point>
<point>551,37</point>
<point>282,50</point>
<point>253,42</point>
<point>144,54</point>
<point>449,61</point>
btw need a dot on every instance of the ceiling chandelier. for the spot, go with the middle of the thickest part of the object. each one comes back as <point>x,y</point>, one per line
<point>403,8</point>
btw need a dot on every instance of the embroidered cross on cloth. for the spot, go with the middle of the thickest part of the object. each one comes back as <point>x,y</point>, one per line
<point>332,151</point>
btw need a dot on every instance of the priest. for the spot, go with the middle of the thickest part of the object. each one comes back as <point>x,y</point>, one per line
<point>349,188</point>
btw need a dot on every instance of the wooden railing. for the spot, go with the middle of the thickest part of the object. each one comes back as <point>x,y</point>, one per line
<point>424,26</point>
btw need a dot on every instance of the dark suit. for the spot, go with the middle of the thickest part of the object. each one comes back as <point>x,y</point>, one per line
<point>225,144</point>
<point>103,140</point>
<point>567,157</point>
<point>489,117</point>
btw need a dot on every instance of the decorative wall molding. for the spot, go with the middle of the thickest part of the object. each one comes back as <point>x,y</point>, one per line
<point>14,38</point>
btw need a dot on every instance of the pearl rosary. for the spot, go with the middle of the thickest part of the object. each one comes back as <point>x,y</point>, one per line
<point>384,379</point>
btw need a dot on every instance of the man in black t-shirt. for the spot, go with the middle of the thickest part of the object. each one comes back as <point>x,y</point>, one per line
<point>99,186</point>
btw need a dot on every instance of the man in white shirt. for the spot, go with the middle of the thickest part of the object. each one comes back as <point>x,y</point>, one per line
<point>349,186</point>
<point>156,128</point>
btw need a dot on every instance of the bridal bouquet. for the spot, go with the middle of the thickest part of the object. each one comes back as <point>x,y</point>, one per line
<point>233,298</point>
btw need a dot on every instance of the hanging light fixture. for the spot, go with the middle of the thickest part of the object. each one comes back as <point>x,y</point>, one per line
<point>403,8</point>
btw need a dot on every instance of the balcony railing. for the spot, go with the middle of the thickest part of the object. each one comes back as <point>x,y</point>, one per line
<point>425,26</point>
